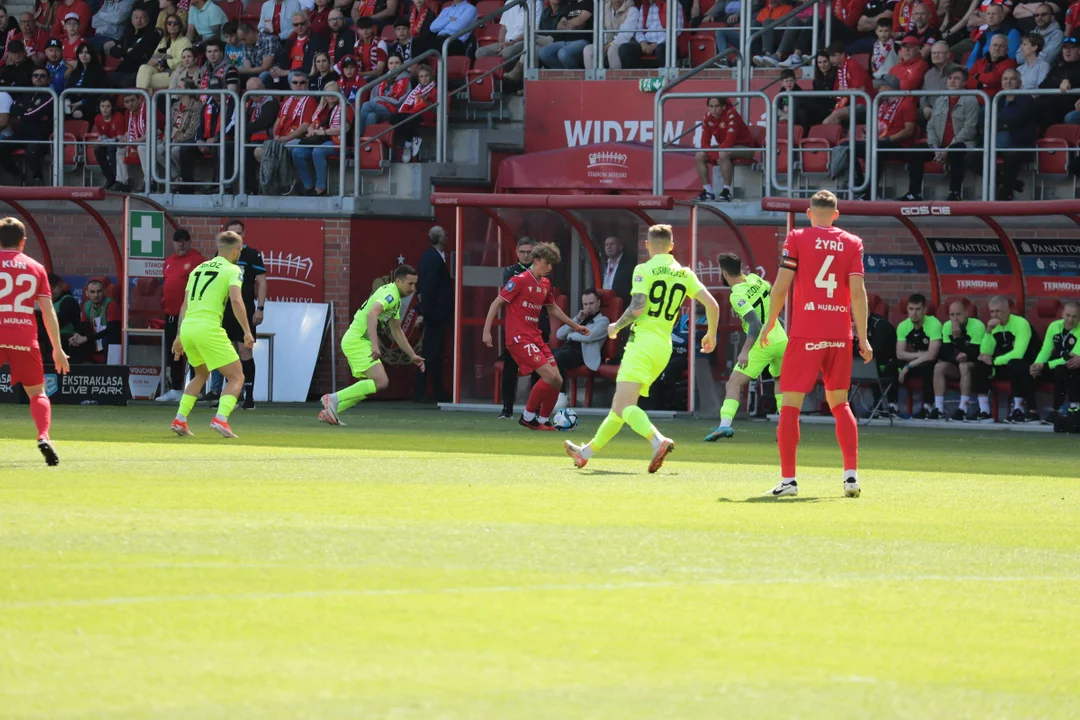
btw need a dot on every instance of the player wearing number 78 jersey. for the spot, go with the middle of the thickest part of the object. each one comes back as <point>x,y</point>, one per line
<point>825,264</point>
<point>659,288</point>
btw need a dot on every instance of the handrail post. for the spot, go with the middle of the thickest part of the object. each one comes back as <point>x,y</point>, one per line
<point>670,49</point>
<point>990,155</point>
<point>58,136</point>
<point>598,43</point>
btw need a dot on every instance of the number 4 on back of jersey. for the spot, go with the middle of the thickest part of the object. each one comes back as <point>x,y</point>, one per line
<point>826,282</point>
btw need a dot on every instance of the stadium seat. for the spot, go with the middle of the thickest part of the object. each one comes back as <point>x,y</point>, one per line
<point>457,67</point>
<point>482,87</point>
<point>877,305</point>
<point>252,12</point>
<point>388,34</point>
<point>486,7</point>
<point>233,10</point>
<point>702,48</point>
<point>76,128</point>
<point>829,133</point>
<point>797,132</point>
<point>1046,311</point>
<point>90,161</point>
<point>814,155</point>
<point>488,34</point>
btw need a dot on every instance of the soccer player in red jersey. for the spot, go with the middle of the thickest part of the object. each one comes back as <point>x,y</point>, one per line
<point>22,282</point>
<point>826,266</point>
<point>524,295</point>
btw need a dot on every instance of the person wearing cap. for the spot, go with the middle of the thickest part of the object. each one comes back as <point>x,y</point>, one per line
<point>34,37</point>
<point>54,63</point>
<point>72,40</point>
<point>1064,75</point>
<point>1032,68</point>
<point>82,12</point>
<point>908,74</point>
<point>18,68</point>
<point>350,82</point>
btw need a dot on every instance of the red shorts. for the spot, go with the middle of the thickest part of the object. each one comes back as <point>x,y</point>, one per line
<point>805,359</point>
<point>25,365</point>
<point>530,356</point>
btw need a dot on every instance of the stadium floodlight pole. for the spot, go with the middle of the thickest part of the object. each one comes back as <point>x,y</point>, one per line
<point>169,93</point>
<point>872,137</point>
<point>443,109</point>
<point>990,155</point>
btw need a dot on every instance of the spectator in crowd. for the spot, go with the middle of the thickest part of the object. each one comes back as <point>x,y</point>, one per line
<point>795,43</point>
<point>1061,357</point>
<point>18,70</point>
<point>621,15</point>
<point>168,9</point>
<point>262,113</point>
<point>1048,28</point>
<point>896,130</point>
<point>883,342</point>
<point>44,12</point>
<point>618,269</point>
<point>436,290</point>
<point>1072,19</point>
<point>577,349</point>
<point>72,41</point>
<point>727,13</point>
<point>884,53</point>
<point>903,19</point>
<point>329,123</point>
<point>844,18</point>
<point>134,49</point>
<point>918,342</point>
<point>551,14</point>
<point>137,127</point>
<point>907,74</point>
<point>386,98</point>
<point>109,23</point>
<point>184,124</point>
<point>1064,75</point>
<point>421,18</point>
<point>276,18</point>
<point>923,29</point>
<point>788,84</point>
<point>69,317</point>
<point>64,9</point>
<point>963,34</point>
<point>101,321</point>
<point>410,114</point>
<point>1032,68</point>
<point>849,76</point>
<point>1007,352</point>
<point>321,72</point>
<point>260,50</point>
<point>370,51</point>
<point>406,48</point>
<point>650,46</point>
<point>996,25</point>
<point>218,118</point>
<point>350,82</point>
<point>217,66</point>
<point>234,48</point>
<point>9,30</point>
<point>380,12</point>
<point>297,54</point>
<point>961,338</point>
<point>723,126</point>
<point>34,37</point>
<point>954,125</point>
<point>867,24</point>
<point>987,72</point>
<point>189,70</point>
<point>568,50</point>
<point>168,56</point>
<point>1016,128</point>
<point>811,111</point>
<point>205,20</point>
<point>320,19</point>
<point>31,120</point>
<point>293,121</point>
<point>87,74</point>
<point>175,272</point>
<point>341,40</point>
<point>54,63</point>
<point>110,126</point>
<point>450,25</point>
<point>936,78</point>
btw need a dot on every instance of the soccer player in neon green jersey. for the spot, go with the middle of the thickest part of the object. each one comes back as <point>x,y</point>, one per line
<point>202,338</point>
<point>659,288</point>
<point>360,344</point>
<point>1059,354</point>
<point>750,301</point>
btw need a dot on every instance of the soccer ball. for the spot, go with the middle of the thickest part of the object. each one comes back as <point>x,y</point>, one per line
<point>565,419</point>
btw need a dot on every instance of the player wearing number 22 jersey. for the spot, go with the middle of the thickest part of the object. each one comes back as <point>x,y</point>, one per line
<point>825,265</point>
<point>24,283</point>
<point>659,288</point>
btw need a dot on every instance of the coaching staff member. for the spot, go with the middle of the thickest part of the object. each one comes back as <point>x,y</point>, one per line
<point>510,369</point>
<point>175,272</point>
<point>253,291</point>
<point>437,308</point>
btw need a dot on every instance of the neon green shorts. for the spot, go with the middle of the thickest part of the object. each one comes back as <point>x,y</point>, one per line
<point>644,360</point>
<point>357,350</point>
<point>759,358</point>
<point>207,345</point>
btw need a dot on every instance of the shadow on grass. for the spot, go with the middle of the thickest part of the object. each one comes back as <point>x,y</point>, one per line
<point>779,500</point>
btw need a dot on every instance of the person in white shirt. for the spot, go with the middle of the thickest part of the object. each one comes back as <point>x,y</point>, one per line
<point>618,269</point>
<point>511,36</point>
<point>1033,69</point>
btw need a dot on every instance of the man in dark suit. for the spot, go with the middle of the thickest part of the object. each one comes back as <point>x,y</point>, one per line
<point>437,310</point>
<point>618,269</point>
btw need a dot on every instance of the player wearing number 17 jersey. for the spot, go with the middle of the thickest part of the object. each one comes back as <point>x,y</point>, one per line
<point>826,266</point>
<point>202,338</point>
<point>659,288</point>
<point>23,282</point>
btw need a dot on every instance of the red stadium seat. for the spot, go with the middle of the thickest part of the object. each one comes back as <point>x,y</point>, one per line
<point>702,47</point>
<point>482,87</point>
<point>457,67</point>
<point>253,12</point>
<point>814,155</point>
<point>1046,311</point>
<point>488,34</point>
<point>76,128</point>
<point>829,133</point>
<point>388,35</point>
<point>486,7</point>
<point>797,132</point>
<point>233,10</point>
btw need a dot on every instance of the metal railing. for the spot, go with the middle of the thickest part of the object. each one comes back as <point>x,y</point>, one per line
<point>168,144</point>
<point>441,85</point>
<point>990,166</point>
<point>147,142</point>
<point>658,130</point>
<point>872,137</point>
<point>747,39</point>
<point>242,144</point>
<point>56,169</point>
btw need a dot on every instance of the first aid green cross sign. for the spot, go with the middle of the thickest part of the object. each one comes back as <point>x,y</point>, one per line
<point>146,234</point>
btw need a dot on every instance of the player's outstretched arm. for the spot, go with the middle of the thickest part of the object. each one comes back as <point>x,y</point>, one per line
<point>712,315</point>
<point>859,310</point>
<point>52,327</point>
<point>557,312</point>
<point>240,311</point>
<point>777,300</point>
<point>403,342</point>
<point>636,307</point>
<point>496,304</point>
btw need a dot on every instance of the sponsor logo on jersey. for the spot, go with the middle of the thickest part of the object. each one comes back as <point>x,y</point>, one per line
<point>509,286</point>
<point>389,298</point>
<point>809,305</point>
<point>825,345</point>
<point>639,278</point>
<point>741,303</point>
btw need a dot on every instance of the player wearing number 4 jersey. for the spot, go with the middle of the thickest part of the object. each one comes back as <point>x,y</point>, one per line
<point>826,266</point>
<point>202,338</point>
<point>23,282</point>
<point>659,288</point>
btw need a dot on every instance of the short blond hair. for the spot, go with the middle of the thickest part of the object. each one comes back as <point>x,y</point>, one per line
<point>229,240</point>
<point>824,200</point>
<point>548,252</point>
<point>663,233</point>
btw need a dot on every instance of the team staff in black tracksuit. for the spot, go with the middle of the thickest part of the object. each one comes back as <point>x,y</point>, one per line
<point>510,369</point>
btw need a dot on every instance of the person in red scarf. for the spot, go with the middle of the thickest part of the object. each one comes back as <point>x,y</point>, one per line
<point>850,75</point>
<point>329,123</point>
<point>724,126</point>
<point>895,127</point>
<point>370,52</point>
<point>298,53</point>
<point>341,40</point>
<point>111,127</point>
<point>987,71</point>
<point>904,16</point>
<point>294,117</point>
<point>262,112</point>
<point>420,18</point>
<point>137,127</point>
<point>387,97</point>
<point>34,38</point>
<point>381,12</point>
<point>411,113</point>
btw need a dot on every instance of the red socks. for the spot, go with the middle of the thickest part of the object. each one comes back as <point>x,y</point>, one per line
<point>548,403</point>
<point>847,434</point>
<point>542,399</point>
<point>41,411</point>
<point>787,435</point>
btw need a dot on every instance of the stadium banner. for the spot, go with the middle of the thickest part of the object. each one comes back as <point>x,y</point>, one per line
<point>144,381</point>
<point>293,252</point>
<point>895,264</point>
<point>1051,267</point>
<point>89,384</point>
<point>976,266</point>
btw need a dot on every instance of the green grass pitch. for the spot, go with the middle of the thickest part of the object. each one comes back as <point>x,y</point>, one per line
<point>421,564</point>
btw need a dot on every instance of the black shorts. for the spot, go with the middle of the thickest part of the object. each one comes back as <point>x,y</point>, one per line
<point>232,325</point>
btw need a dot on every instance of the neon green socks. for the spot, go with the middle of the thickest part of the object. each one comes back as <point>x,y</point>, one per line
<point>354,394</point>
<point>187,402</point>
<point>225,406</point>
<point>608,429</point>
